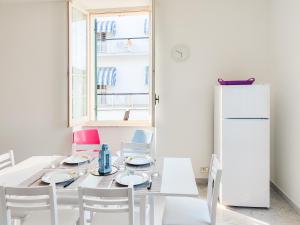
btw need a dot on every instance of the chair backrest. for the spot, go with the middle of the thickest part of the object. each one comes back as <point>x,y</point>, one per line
<point>86,142</point>
<point>142,137</point>
<point>141,144</point>
<point>7,160</point>
<point>213,188</point>
<point>86,137</point>
<point>106,201</point>
<point>25,200</point>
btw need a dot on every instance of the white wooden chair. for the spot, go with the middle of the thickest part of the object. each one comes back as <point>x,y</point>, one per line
<point>7,160</point>
<point>141,144</point>
<point>194,211</point>
<point>106,206</point>
<point>37,203</point>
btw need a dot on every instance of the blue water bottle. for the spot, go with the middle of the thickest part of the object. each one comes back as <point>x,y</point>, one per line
<point>104,160</point>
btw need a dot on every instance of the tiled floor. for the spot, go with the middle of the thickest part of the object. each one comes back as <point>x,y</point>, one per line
<point>280,213</point>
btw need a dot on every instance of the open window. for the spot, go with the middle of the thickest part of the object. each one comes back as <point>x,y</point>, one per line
<point>122,66</point>
<point>111,58</point>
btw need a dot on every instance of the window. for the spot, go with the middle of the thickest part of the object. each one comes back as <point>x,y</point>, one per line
<point>111,68</point>
<point>122,67</point>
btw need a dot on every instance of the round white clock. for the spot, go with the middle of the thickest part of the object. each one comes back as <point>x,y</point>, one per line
<point>180,53</point>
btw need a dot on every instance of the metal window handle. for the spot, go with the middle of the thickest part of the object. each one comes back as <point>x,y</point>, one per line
<point>156,99</point>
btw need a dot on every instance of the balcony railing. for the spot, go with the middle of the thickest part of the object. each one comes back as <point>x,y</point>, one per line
<point>121,101</point>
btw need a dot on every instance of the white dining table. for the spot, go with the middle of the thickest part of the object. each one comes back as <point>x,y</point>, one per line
<point>177,179</point>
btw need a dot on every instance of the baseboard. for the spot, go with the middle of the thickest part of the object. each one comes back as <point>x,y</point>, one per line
<point>201,180</point>
<point>283,195</point>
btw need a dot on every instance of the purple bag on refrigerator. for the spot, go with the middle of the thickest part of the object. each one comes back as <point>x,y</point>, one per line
<point>236,82</point>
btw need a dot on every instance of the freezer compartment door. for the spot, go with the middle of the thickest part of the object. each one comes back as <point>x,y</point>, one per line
<point>245,158</point>
<point>251,101</point>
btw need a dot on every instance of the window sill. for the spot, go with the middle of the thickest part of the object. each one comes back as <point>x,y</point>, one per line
<point>112,123</point>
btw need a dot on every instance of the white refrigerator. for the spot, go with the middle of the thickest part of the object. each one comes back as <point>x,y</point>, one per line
<point>242,144</point>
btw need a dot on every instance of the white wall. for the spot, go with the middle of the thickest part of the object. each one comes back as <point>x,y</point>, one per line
<point>33,79</point>
<point>100,4</point>
<point>286,70</point>
<point>227,39</point>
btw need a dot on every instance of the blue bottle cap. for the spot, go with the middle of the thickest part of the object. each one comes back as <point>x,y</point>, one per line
<point>104,147</point>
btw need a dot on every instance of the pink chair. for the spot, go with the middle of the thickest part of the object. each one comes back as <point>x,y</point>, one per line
<point>86,139</point>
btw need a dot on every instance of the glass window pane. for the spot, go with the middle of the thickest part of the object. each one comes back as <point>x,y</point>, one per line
<point>79,64</point>
<point>122,67</point>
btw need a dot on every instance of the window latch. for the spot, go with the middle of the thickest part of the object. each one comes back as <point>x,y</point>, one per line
<point>156,99</point>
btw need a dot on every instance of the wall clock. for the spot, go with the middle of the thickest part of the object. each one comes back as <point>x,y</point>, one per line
<point>180,53</point>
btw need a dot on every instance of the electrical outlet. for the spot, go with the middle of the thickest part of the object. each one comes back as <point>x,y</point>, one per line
<point>203,169</point>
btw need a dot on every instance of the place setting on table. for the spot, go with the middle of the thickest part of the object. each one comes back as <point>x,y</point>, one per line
<point>71,161</point>
<point>63,172</point>
<point>141,171</point>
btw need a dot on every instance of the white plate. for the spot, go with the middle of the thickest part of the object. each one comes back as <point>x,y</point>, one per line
<point>76,159</point>
<point>134,179</point>
<point>138,160</point>
<point>57,177</point>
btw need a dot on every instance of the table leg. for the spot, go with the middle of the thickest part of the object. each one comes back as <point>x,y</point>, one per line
<point>143,210</point>
<point>151,210</point>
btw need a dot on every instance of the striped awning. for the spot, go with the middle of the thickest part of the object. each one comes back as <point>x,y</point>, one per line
<point>107,76</point>
<point>108,26</point>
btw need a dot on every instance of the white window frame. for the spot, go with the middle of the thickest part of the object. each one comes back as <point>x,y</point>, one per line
<point>83,119</point>
<point>90,119</point>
